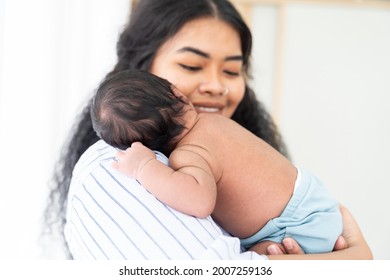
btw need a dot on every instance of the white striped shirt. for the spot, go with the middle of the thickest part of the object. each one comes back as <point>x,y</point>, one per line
<point>111,216</point>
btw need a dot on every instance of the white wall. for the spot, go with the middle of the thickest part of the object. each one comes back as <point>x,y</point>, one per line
<point>53,54</point>
<point>335,95</point>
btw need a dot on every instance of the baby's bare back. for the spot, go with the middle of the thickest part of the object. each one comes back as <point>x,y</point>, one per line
<point>254,181</point>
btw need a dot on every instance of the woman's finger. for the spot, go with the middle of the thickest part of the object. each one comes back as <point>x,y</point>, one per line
<point>291,246</point>
<point>274,249</point>
<point>340,244</point>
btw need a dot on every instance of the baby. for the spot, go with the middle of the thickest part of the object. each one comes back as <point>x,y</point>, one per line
<point>215,166</point>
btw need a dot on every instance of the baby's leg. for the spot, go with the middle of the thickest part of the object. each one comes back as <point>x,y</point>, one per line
<point>261,247</point>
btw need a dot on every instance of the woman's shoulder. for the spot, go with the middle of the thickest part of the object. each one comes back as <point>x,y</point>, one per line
<point>91,159</point>
<point>96,162</point>
<point>94,155</point>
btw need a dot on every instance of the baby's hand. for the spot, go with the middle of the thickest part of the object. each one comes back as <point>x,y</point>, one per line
<point>133,159</point>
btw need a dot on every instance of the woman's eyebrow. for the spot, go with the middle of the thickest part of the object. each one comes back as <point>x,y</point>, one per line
<point>206,55</point>
<point>195,51</point>
<point>235,57</point>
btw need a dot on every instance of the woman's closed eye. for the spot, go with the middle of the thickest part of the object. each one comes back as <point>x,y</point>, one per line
<point>232,73</point>
<point>197,68</point>
<point>190,67</point>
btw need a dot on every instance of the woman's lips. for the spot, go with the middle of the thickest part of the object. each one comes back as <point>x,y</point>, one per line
<point>208,107</point>
<point>202,109</point>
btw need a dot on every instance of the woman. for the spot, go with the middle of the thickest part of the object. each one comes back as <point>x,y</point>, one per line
<point>203,47</point>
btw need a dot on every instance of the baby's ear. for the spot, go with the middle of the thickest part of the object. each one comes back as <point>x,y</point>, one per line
<point>180,95</point>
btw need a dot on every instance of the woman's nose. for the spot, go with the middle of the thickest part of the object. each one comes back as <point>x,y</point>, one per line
<point>213,87</point>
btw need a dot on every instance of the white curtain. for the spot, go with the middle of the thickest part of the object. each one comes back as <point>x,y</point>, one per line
<point>53,55</point>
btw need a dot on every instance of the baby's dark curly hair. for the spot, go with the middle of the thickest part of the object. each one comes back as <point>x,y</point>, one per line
<point>134,105</point>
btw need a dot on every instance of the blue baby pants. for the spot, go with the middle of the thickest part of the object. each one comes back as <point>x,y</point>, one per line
<point>311,217</point>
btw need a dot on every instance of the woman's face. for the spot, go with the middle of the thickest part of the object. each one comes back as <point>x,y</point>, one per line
<point>203,60</point>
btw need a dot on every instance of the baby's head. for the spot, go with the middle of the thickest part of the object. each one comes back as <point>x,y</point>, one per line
<point>132,106</point>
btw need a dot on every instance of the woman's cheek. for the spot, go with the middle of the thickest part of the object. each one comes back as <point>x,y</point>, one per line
<point>237,96</point>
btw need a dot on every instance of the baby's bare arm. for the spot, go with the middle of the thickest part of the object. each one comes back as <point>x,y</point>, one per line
<point>133,159</point>
<point>187,185</point>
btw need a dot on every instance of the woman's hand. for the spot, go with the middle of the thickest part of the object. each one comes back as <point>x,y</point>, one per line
<point>290,246</point>
<point>351,245</point>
